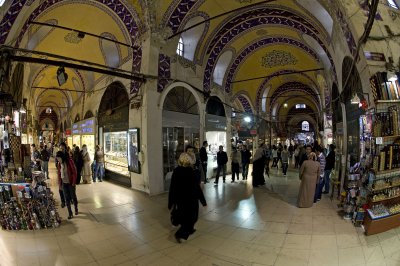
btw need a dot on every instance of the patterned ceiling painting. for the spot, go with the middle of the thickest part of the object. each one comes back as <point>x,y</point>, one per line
<point>128,19</point>
<point>244,101</point>
<point>177,11</point>
<point>277,58</point>
<point>9,18</point>
<point>250,19</point>
<point>263,85</point>
<point>235,65</point>
<point>294,86</point>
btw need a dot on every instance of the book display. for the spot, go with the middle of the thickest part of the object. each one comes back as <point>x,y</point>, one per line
<point>382,173</point>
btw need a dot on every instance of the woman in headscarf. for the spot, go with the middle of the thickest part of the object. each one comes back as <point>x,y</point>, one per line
<point>86,176</point>
<point>309,176</point>
<point>184,195</point>
<point>258,166</point>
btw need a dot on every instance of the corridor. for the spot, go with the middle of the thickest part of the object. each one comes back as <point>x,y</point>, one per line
<point>240,226</point>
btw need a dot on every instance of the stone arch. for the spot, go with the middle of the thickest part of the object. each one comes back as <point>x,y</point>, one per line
<point>88,114</point>
<point>215,106</point>
<point>178,84</point>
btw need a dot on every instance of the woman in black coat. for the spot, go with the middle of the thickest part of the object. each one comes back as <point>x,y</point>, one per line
<point>184,194</point>
<point>78,160</point>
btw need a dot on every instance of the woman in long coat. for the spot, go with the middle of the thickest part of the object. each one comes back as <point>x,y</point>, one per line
<point>258,167</point>
<point>309,176</point>
<point>86,176</point>
<point>184,194</point>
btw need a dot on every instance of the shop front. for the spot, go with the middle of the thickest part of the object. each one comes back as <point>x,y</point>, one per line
<point>83,133</point>
<point>113,123</point>
<point>76,135</point>
<point>68,137</point>
<point>181,127</point>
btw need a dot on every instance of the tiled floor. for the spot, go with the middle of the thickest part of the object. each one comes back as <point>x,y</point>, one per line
<point>240,226</point>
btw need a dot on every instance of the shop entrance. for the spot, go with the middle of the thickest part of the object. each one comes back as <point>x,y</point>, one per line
<point>113,120</point>
<point>181,127</point>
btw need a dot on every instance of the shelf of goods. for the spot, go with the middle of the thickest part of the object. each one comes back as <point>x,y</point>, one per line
<point>383,199</point>
<point>28,206</point>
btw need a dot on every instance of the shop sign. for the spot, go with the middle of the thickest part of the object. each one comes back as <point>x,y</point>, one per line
<point>253,132</point>
<point>215,123</point>
<point>75,129</point>
<point>68,132</point>
<point>374,56</point>
<point>87,126</point>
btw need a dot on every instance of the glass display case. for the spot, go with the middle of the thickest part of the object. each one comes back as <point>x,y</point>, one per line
<point>115,151</point>
<point>76,139</point>
<point>214,139</point>
<point>69,141</point>
<point>89,141</point>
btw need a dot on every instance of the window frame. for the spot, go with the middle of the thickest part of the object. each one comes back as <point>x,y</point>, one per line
<point>301,106</point>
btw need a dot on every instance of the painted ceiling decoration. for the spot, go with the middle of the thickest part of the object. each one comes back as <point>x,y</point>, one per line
<point>260,44</point>
<point>177,11</point>
<point>278,58</point>
<point>264,84</point>
<point>245,103</point>
<point>251,19</point>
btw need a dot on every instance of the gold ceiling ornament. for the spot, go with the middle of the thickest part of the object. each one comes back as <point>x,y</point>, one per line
<point>278,58</point>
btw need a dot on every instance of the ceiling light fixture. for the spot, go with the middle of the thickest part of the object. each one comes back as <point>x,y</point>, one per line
<point>355,99</point>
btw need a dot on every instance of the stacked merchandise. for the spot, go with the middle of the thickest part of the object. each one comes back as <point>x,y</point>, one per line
<point>31,209</point>
<point>388,159</point>
<point>27,206</point>
<point>353,191</point>
<point>384,89</point>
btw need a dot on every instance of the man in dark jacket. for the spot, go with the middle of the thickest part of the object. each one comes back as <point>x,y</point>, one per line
<point>330,164</point>
<point>45,157</point>
<point>203,160</point>
<point>222,159</point>
<point>246,155</point>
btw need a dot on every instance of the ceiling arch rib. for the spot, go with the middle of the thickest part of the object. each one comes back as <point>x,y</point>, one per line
<point>250,19</point>
<point>251,48</point>
<point>244,102</point>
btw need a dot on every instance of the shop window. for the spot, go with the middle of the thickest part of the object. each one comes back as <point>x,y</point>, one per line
<point>305,126</point>
<point>393,4</point>
<point>179,49</point>
<point>300,106</point>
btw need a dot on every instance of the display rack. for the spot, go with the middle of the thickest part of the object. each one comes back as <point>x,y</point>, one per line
<point>383,185</point>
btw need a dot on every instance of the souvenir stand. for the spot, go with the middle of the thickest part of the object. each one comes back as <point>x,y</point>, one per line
<point>25,200</point>
<point>378,196</point>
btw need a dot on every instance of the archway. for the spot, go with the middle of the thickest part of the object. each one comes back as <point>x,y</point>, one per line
<point>113,122</point>
<point>180,127</point>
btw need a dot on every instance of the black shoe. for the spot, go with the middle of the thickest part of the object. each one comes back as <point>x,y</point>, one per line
<point>325,192</point>
<point>233,181</point>
<point>76,212</point>
<point>63,205</point>
<point>70,217</point>
<point>215,182</point>
<point>101,180</point>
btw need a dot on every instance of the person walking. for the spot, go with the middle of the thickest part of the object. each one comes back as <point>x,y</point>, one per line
<point>285,160</point>
<point>86,165</point>
<point>246,155</point>
<point>184,196</point>
<point>274,157</point>
<point>304,154</point>
<point>204,160</point>
<point>309,176</point>
<point>44,158</point>
<point>330,164</point>
<point>267,155</point>
<point>258,166</point>
<point>66,171</point>
<point>296,156</point>
<point>99,169</point>
<point>321,181</point>
<point>78,160</point>
<point>236,158</point>
<point>190,150</point>
<point>222,159</point>
<point>35,158</point>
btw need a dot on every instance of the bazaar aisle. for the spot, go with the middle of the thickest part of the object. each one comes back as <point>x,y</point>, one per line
<point>240,226</point>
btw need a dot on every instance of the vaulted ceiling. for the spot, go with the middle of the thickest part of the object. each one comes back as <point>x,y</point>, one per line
<point>267,43</point>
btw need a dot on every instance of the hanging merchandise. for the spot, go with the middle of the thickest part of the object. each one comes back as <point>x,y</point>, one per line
<point>6,142</point>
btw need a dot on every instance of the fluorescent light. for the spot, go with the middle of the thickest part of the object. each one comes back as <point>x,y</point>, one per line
<point>393,79</point>
<point>247,119</point>
<point>285,105</point>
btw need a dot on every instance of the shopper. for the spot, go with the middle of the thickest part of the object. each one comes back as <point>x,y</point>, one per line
<point>44,158</point>
<point>222,159</point>
<point>258,167</point>
<point>285,160</point>
<point>78,160</point>
<point>99,159</point>
<point>330,164</point>
<point>309,176</point>
<point>86,165</point>
<point>184,195</point>
<point>321,183</point>
<point>296,156</point>
<point>190,150</point>
<point>35,158</point>
<point>236,159</point>
<point>246,156</point>
<point>304,155</point>
<point>67,180</point>
<point>274,157</point>
<point>204,160</point>
<point>267,155</point>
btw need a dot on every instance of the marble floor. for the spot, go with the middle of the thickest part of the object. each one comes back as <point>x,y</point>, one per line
<point>240,226</point>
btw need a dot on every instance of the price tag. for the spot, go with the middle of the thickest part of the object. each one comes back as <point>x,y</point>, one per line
<point>379,140</point>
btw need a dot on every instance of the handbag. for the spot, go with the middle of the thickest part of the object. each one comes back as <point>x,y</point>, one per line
<point>175,216</point>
